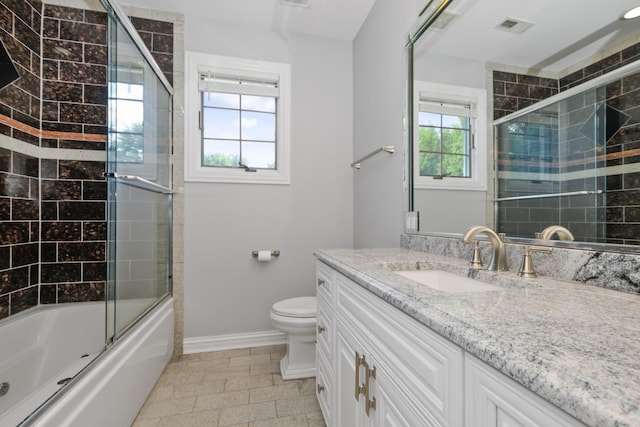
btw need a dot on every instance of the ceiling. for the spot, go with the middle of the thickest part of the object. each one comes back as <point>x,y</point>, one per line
<point>564,32</point>
<point>335,19</point>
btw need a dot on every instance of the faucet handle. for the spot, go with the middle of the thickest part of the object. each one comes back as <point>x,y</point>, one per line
<point>526,269</point>
<point>476,261</point>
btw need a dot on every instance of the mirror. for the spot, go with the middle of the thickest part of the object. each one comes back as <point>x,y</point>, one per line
<point>570,162</point>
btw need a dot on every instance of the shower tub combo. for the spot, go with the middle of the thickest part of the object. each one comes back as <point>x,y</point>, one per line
<point>94,363</point>
<point>120,377</point>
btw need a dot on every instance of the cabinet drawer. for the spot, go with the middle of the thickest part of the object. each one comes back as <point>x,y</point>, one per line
<point>420,361</point>
<point>324,388</point>
<point>325,329</point>
<point>493,400</point>
<point>325,282</point>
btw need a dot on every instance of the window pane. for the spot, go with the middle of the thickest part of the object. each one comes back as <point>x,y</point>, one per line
<point>129,91</point>
<point>453,165</point>
<point>258,126</point>
<point>222,124</point>
<point>429,139</point>
<point>221,100</point>
<point>130,115</point>
<point>454,141</point>
<point>259,103</point>
<point>429,164</point>
<point>221,153</point>
<point>459,122</point>
<point>130,147</point>
<point>259,154</point>
<point>428,119</point>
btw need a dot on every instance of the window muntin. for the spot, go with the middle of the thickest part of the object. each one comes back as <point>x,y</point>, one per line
<point>444,144</point>
<point>239,130</point>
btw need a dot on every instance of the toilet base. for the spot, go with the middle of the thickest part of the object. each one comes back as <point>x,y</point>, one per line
<point>294,373</point>
<point>300,360</point>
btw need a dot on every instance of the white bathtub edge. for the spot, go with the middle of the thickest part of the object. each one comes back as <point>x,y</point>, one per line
<point>112,392</point>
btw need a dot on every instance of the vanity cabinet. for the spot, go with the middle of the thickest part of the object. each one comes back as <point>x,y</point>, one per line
<point>377,366</point>
<point>494,400</point>
<point>380,367</point>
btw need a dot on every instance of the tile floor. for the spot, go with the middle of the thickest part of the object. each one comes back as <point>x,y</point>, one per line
<point>238,388</point>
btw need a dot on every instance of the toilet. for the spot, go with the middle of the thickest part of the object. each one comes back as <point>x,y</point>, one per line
<point>297,318</point>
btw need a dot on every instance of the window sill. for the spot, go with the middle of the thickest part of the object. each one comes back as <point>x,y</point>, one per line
<point>444,185</point>
<point>238,176</point>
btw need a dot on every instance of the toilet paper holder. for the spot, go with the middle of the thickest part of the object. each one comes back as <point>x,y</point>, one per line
<point>275,253</point>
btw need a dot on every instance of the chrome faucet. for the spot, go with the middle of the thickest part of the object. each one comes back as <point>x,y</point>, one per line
<point>499,258</point>
<point>563,233</point>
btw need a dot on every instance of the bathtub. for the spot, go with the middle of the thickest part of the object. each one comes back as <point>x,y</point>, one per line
<point>48,351</point>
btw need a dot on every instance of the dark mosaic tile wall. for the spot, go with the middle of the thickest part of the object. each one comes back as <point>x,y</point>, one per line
<point>610,63</point>
<point>513,92</point>
<point>20,101</point>
<point>73,231</point>
<point>52,211</point>
<point>74,51</point>
<point>623,190</point>
<point>19,232</point>
<point>158,37</point>
<point>621,217</point>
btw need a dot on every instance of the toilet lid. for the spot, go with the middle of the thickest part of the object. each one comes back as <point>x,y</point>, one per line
<point>296,307</point>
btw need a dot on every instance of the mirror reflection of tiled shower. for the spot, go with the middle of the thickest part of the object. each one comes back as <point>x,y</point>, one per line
<point>569,162</point>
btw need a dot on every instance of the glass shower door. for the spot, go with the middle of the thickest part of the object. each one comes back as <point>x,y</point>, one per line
<point>547,164</point>
<point>139,181</point>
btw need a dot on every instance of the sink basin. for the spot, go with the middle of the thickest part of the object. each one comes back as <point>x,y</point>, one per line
<point>447,282</point>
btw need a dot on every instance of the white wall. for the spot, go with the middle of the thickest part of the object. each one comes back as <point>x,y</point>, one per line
<point>379,88</point>
<point>450,211</point>
<point>379,75</point>
<point>226,290</point>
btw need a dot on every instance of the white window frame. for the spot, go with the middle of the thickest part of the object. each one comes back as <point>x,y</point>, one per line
<point>455,95</point>
<point>197,63</point>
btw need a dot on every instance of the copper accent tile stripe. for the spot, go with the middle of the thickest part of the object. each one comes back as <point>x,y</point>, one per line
<point>51,134</point>
<point>609,156</point>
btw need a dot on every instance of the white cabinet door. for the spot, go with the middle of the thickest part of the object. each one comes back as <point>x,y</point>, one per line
<point>494,400</point>
<point>350,404</point>
<point>392,408</point>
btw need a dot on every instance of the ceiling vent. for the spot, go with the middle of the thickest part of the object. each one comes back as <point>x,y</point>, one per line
<point>295,3</point>
<point>513,25</point>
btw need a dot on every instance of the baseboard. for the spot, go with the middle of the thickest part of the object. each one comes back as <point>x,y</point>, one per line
<point>233,341</point>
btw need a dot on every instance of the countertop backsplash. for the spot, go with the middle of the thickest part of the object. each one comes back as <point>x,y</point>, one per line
<point>610,270</point>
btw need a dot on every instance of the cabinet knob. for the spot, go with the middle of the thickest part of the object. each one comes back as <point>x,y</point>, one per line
<point>320,388</point>
<point>321,329</point>
<point>320,282</point>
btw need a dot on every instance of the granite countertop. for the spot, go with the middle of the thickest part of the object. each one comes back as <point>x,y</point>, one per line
<point>575,345</point>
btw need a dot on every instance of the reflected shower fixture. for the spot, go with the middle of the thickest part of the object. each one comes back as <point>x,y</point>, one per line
<point>632,13</point>
<point>8,71</point>
<point>606,120</point>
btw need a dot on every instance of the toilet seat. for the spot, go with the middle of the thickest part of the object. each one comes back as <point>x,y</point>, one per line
<point>301,307</point>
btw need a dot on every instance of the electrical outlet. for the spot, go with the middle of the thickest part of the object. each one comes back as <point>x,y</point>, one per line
<point>412,222</point>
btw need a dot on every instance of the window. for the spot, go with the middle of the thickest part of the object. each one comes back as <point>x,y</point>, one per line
<point>450,137</point>
<point>128,106</point>
<point>237,118</point>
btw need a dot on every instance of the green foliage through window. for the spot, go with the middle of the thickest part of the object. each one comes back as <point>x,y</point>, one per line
<point>444,145</point>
